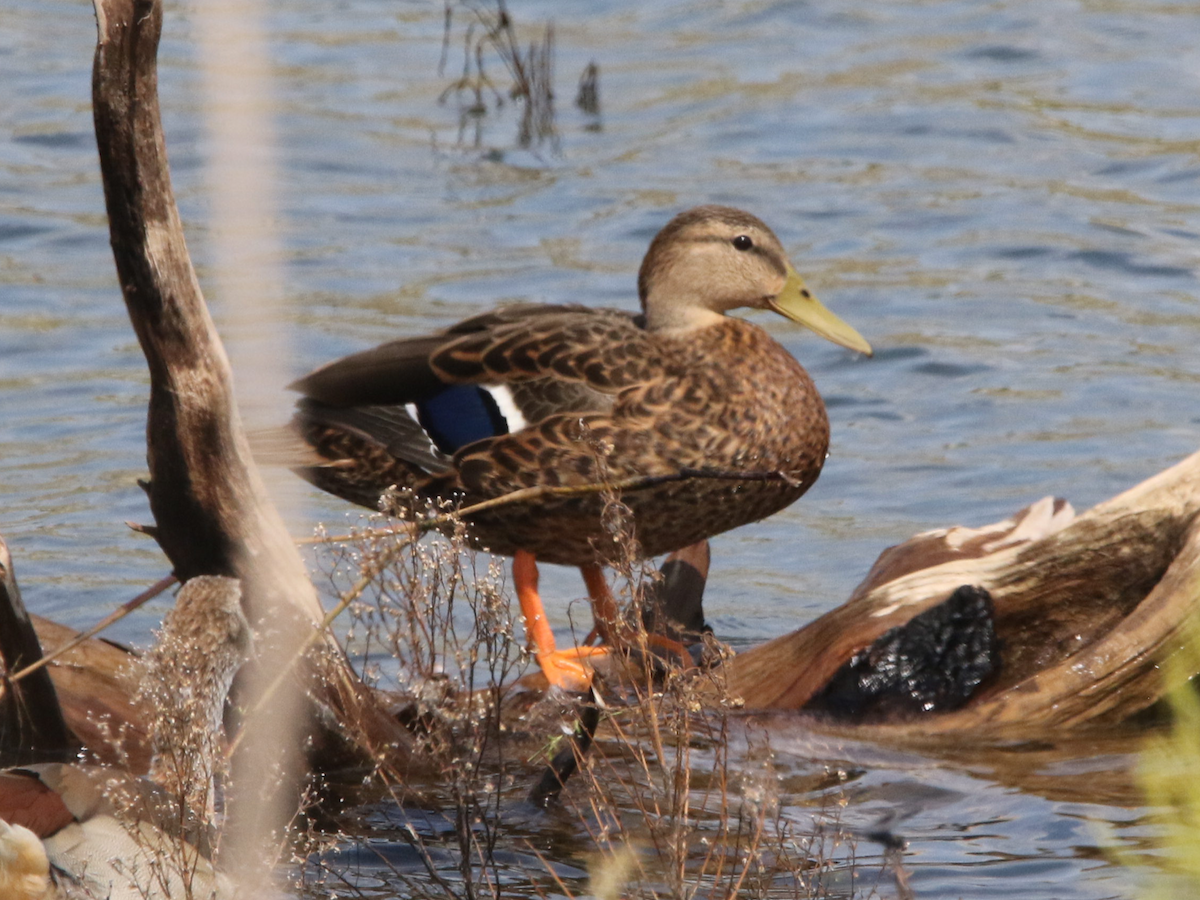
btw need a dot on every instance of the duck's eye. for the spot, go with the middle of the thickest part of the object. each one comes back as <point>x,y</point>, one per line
<point>743,242</point>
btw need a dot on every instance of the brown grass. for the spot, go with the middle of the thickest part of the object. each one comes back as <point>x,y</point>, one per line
<point>676,799</point>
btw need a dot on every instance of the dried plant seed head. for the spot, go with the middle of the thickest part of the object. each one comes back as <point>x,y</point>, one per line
<point>205,637</point>
<point>187,676</point>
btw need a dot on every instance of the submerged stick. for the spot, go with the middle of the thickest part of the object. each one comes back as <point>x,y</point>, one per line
<point>565,762</point>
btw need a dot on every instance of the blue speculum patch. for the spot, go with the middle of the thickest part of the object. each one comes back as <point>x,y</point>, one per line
<point>460,415</point>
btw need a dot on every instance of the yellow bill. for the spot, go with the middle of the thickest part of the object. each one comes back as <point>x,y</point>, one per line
<point>798,303</point>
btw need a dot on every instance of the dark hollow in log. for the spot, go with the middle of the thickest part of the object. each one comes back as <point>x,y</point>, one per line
<point>32,727</point>
<point>933,663</point>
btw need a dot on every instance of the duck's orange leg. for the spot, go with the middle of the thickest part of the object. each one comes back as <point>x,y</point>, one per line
<point>606,618</point>
<point>604,605</point>
<point>567,669</point>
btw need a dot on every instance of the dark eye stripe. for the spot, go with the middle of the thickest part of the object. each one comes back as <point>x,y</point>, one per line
<point>771,257</point>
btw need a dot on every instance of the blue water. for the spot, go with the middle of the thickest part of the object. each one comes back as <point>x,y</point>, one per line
<point>1004,198</point>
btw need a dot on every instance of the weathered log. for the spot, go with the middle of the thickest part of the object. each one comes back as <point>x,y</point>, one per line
<point>211,510</point>
<point>96,683</point>
<point>1085,610</point>
<point>32,727</point>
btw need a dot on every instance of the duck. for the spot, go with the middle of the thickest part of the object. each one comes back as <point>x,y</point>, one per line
<point>699,421</point>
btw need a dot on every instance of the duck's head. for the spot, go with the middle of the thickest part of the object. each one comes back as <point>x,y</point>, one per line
<point>711,259</point>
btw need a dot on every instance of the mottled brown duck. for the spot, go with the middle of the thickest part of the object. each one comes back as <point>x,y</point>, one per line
<point>704,420</point>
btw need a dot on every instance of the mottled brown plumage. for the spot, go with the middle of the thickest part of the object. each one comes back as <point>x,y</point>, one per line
<point>689,414</point>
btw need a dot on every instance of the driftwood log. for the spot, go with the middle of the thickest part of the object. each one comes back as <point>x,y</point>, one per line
<point>1086,610</point>
<point>95,683</point>
<point>82,702</point>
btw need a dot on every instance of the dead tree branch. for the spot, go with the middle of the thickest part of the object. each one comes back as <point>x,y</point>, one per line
<point>212,512</point>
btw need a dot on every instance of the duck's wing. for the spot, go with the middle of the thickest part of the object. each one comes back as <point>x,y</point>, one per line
<point>390,428</point>
<point>397,372</point>
<point>603,349</point>
<point>418,401</point>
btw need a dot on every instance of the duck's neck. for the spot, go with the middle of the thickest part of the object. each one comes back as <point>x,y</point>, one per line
<point>678,318</point>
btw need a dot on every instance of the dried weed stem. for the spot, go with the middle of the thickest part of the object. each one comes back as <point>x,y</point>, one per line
<point>663,805</point>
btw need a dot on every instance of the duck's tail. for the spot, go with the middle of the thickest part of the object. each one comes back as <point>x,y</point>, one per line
<point>357,454</point>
